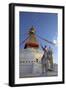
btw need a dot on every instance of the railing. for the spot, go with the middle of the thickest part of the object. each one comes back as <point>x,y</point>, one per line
<point>30,61</point>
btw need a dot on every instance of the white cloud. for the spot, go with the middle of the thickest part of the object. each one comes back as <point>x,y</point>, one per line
<point>55,42</point>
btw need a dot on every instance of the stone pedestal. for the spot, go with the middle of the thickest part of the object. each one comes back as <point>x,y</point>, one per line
<point>28,64</point>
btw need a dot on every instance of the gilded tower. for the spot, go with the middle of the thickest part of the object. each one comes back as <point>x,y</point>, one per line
<point>32,41</point>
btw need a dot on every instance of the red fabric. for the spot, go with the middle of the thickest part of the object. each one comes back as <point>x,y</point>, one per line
<point>32,44</point>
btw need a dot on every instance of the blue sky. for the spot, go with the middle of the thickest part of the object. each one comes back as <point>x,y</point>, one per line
<point>45,24</point>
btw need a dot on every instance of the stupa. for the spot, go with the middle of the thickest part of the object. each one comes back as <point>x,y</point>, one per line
<point>30,56</point>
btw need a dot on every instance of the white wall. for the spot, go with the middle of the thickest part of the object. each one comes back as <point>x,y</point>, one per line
<point>4,44</point>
